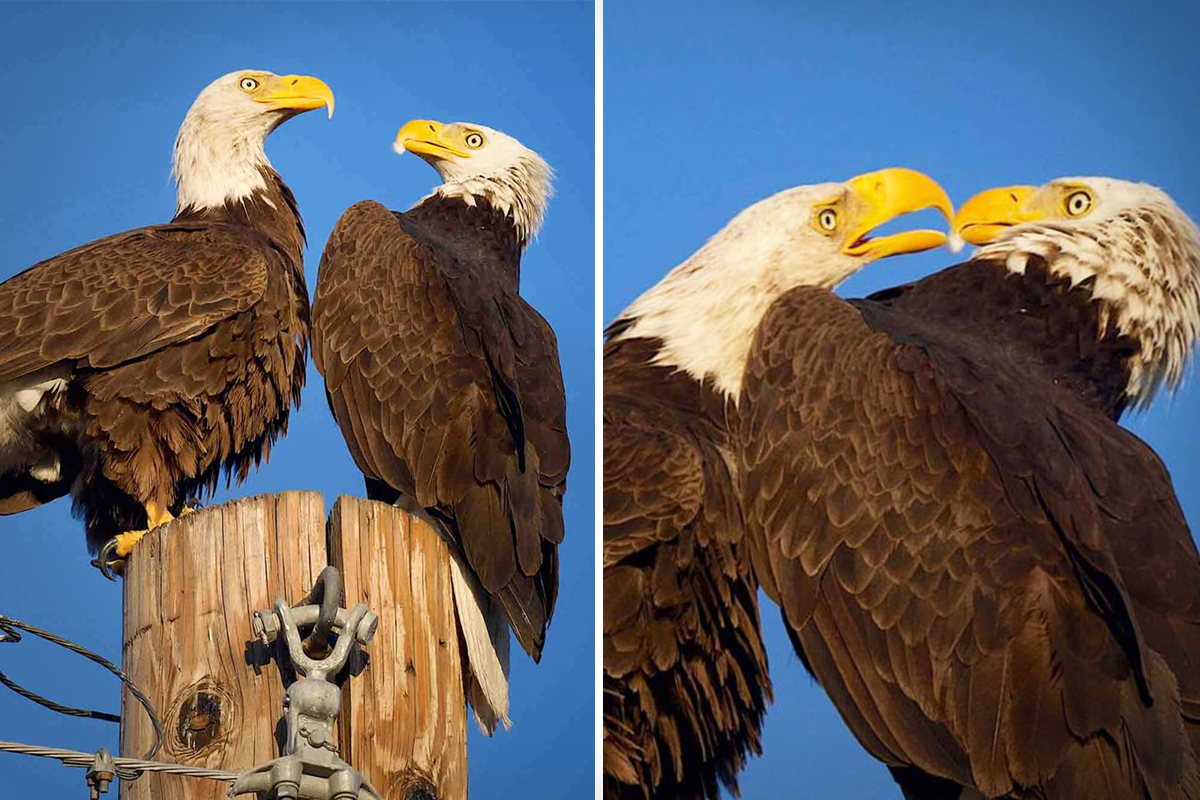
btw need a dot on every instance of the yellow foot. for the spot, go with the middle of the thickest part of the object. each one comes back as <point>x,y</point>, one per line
<point>122,544</point>
<point>155,515</point>
<point>126,541</point>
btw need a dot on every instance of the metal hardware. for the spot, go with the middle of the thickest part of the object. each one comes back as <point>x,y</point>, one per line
<point>101,773</point>
<point>310,767</point>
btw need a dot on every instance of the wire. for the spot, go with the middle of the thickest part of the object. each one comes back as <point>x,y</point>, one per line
<point>10,628</point>
<point>133,766</point>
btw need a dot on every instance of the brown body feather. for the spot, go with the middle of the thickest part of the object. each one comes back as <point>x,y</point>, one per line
<point>1035,321</point>
<point>685,670</point>
<point>1052,331</point>
<point>962,554</point>
<point>447,388</point>
<point>182,347</point>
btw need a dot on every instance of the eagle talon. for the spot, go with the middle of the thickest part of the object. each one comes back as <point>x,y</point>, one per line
<point>109,567</point>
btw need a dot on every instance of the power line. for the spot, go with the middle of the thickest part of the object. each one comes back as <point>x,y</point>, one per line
<point>10,632</point>
<point>132,766</point>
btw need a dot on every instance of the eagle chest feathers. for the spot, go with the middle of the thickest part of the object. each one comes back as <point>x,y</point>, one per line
<point>685,669</point>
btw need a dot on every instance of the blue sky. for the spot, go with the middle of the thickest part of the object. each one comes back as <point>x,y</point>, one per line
<point>711,106</point>
<point>93,96</point>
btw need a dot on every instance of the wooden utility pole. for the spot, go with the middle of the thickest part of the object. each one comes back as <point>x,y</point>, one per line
<point>404,719</point>
<point>191,588</point>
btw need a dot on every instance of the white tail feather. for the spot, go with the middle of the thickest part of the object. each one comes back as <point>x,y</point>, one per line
<point>485,631</point>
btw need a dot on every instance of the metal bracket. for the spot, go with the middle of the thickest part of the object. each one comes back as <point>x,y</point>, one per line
<point>310,767</point>
<point>101,773</point>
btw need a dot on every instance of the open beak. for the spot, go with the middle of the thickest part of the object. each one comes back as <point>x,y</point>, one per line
<point>425,137</point>
<point>988,214</point>
<point>297,93</point>
<point>886,195</point>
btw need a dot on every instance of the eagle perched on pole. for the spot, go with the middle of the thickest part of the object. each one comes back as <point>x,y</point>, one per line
<point>446,383</point>
<point>134,370</point>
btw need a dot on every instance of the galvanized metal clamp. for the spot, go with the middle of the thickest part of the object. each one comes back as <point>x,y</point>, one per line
<point>310,767</point>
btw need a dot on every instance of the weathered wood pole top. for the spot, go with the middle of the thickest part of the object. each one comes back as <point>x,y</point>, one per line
<point>191,589</point>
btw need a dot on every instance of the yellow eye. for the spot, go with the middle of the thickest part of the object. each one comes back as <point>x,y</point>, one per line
<point>248,84</point>
<point>1078,203</point>
<point>827,220</point>
<point>474,140</point>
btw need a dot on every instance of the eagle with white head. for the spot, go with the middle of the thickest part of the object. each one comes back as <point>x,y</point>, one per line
<point>1133,251</point>
<point>136,369</point>
<point>685,670</point>
<point>993,581</point>
<point>447,387</point>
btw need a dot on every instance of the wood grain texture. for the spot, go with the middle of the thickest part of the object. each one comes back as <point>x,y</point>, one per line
<point>191,589</point>
<point>404,716</point>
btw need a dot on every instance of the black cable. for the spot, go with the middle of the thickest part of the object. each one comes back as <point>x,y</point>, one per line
<point>10,628</point>
<point>53,706</point>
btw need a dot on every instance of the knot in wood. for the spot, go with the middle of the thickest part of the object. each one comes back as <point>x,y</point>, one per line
<point>418,787</point>
<point>200,720</point>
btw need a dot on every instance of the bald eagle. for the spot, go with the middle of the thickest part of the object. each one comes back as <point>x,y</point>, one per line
<point>446,383</point>
<point>993,581</point>
<point>685,672</point>
<point>135,369</point>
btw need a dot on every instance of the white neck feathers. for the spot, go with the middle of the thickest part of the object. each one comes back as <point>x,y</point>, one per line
<point>707,310</point>
<point>216,164</point>
<point>522,190</point>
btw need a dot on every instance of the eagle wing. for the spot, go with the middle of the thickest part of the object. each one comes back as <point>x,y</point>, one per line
<point>1144,525</point>
<point>120,298</point>
<point>450,392</point>
<point>685,670</point>
<point>940,554</point>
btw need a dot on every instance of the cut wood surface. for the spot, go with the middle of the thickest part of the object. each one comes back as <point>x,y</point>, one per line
<point>404,716</point>
<point>191,589</point>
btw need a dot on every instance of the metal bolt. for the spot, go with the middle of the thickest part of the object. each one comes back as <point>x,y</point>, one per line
<point>101,773</point>
<point>365,631</point>
<point>266,626</point>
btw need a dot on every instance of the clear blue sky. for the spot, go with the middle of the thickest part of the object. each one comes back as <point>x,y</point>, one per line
<point>93,96</point>
<point>711,106</point>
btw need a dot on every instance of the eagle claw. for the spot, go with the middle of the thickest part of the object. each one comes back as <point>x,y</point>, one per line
<point>109,566</point>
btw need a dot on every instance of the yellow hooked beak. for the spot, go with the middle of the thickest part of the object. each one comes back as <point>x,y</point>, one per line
<point>426,137</point>
<point>988,214</point>
<point>884,195</point>
<point>297,93</point>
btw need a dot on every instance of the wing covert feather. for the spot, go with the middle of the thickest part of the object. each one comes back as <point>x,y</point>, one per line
<point>685,671</point>
<point>119,298</point>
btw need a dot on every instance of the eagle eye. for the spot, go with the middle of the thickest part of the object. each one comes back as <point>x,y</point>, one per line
<point>1078,203</point>
<point>474,140</point>
<point>827,220</point>
<point>248,84</point>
